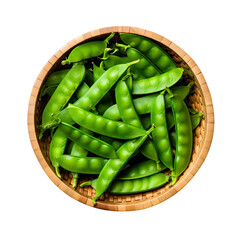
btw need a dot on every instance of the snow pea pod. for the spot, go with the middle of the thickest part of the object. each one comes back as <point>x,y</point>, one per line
<point>113,166</point>
<point>195,119</point>
<point>87,141</point>
<point>87,50</point>
<point>143,104</point>
<point>57,147</point>
<point>133,186</point>
<point>104,126</point>
<point>158,82</point>
<point>140,170</point>
<point>61,96</point>
<point>150,49</point>
<point>145,68</point>
<point>184,136</point>
<point>97,91</point>
<point>130,116</point>
<point>84,165</point>
<point>160,135</point>
<point>107,100</point>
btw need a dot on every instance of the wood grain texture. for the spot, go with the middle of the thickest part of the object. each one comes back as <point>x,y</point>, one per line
<point>201,101</point>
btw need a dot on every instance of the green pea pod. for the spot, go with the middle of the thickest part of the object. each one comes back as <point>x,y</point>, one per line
<point>195,119</point>
<point>160,135</point>
<point>129,115</point>
<point>113,166</point>
<point>88,142</point>
<point>84,165</point>
<point>150,49</point>
<point>104,126</point>
<point>87,50</point>
<point>61,96</point>
<point>57,148</point>
<point>107,100</point>
<point>133,186</point>
<point>184,136</point>
<point>158,82</point>
<point>143,104</point>
<point>140,170</point>
<point>97,91</point>
<point>145,68</point>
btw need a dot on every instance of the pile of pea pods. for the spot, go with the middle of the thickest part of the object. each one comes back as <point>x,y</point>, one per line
<point>117,110</point>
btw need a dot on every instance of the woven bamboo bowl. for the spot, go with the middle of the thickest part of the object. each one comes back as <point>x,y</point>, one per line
<point>200,101</point>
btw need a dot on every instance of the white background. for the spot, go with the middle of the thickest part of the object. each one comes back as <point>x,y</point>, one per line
<point>32,207</point>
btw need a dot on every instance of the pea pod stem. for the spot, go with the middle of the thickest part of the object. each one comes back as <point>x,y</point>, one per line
<point>125,47</point>
<point>109,37</point>
<point>75,179</point>
<point>58,172</point>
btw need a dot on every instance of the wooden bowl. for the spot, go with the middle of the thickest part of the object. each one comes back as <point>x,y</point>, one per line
<point>200,101</point>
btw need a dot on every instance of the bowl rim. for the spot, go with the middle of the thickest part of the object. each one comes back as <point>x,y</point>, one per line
<point>181,182</point>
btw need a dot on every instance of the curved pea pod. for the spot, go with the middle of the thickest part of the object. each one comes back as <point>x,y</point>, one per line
<point>87,141</point>
<point>84,165</point>
<point>87,50</point>
<point>158,82</point>
<point>57,148</point>
<point>143,104</point>
<point>134,186</point>
<point>113,166</point>
<point>144,69</point>
<point>61,96</point>
<point>160,135</point>
<point>97,91</point>
<point>104,126</point>
<point>150,49</point>
<point>184,136</point>
<point>140,170</point>
<point>107,100</point>
<point>195,120</point>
